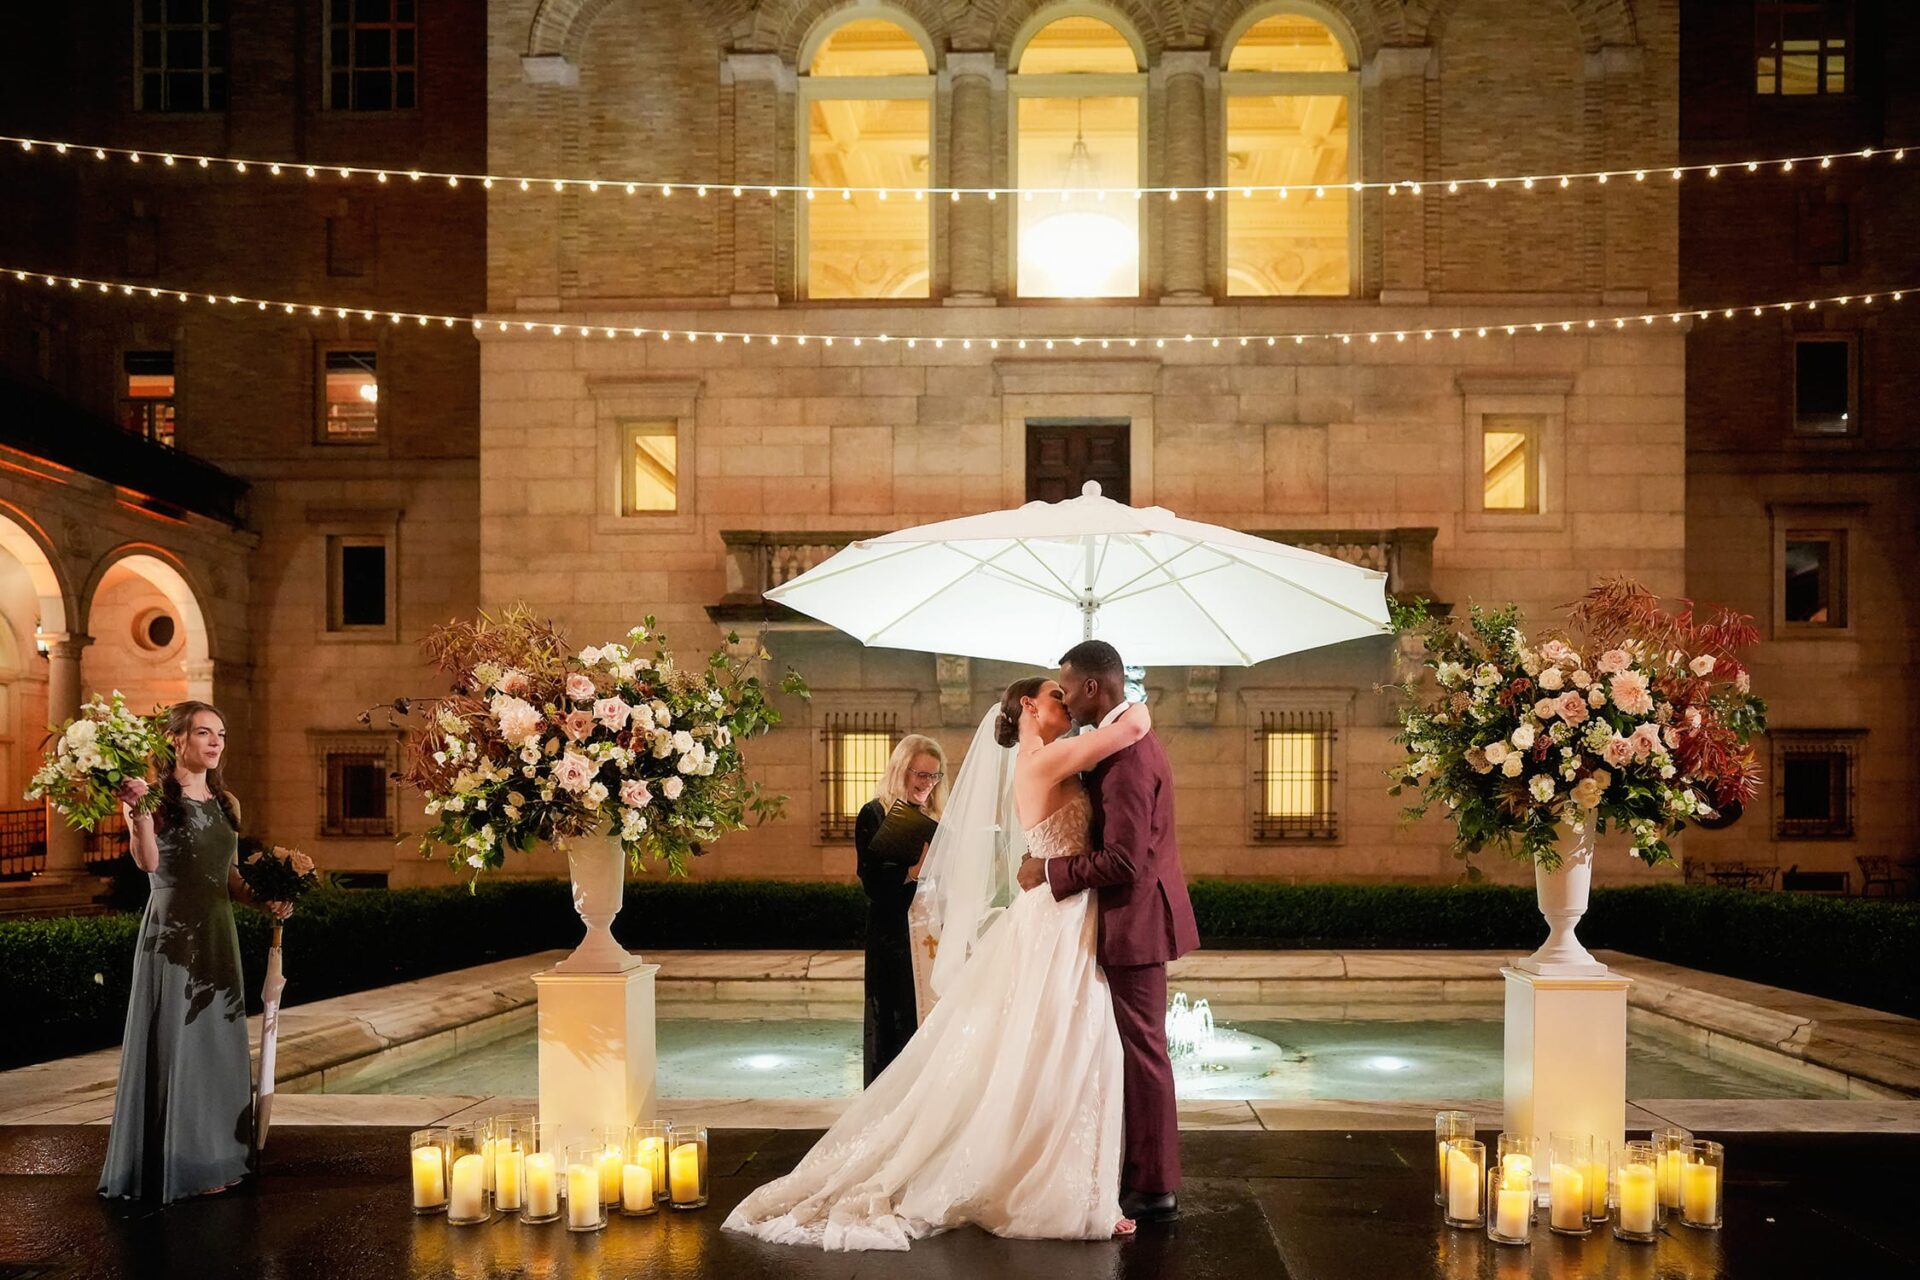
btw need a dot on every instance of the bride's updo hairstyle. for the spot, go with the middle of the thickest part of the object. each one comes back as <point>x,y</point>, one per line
<point>1006,730</point>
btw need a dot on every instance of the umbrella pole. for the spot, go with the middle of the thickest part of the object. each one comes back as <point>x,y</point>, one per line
<point>1088,605</point>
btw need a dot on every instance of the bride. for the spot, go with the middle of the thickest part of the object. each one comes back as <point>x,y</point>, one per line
<point>1004,1110</point>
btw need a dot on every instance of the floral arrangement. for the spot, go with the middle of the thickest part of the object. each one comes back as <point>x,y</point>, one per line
<point>274,874</point>
<point>539,742</point>
<point>1635,717</point>
<point>95,754</point>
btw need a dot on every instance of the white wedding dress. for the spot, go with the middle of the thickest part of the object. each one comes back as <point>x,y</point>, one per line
<point>1003,1111</point>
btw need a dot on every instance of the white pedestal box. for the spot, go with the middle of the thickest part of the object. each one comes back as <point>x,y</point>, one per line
<point>597,1050</point>
<point>1566,1057</point>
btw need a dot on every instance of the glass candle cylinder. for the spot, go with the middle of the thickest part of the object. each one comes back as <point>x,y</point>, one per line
<point>1515,1162</point>
<point>687,1168</point>
<point>1569,1165</point>
<point>1448,1127</point>
<point>428,1160</point>
<point>1636,1193</point>
<point>1509,1209</point>
<point>1702,1177</point>
<point>1599,1180</point>
<point>1466,1182</point>
<point>467,1200</point>
<point>610,1161</point>
<point>580,1183</point>
<point>1670,1156</point>
<point>507,1165</point>
<point>545,1170</point>
<point>647,1147</point>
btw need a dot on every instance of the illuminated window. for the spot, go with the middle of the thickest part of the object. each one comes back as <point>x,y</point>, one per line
<point>1294,776</point>
<point>651,477</point>
<point>858,745</point>
<point>182,55</point>
<point>373,54</point>
<point>1289,99</point>
<point>350,398</point>
<point>868,100</point>
<point>146,398</point>
<point>1801,49</point>
<point>1078,108</point>
<point>1510,446</point>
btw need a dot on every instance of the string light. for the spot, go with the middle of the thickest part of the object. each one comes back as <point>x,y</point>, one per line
<point>483,324</point>
<point>592,184</point>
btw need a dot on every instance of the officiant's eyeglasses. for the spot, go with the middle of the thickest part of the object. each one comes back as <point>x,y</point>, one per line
<point>920,775</point>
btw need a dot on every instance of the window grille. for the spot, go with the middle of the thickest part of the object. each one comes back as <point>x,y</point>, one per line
<point>1294,776</point>
<point>857,744</point>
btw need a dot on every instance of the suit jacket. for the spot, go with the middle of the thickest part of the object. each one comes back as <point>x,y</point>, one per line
<point>1134,865</point>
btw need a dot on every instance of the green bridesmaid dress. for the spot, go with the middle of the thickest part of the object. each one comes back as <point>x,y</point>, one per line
<point>183,1115</point>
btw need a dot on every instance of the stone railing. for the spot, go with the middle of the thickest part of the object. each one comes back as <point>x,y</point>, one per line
<point>1404,554</point>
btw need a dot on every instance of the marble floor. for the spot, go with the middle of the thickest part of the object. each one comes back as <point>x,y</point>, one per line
<point>1339,1203</point>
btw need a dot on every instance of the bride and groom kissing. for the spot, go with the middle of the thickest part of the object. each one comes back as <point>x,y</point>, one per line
<point>1036,1101</point>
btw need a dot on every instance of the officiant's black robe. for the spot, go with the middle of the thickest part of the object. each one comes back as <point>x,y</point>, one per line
<point>891,1015</point>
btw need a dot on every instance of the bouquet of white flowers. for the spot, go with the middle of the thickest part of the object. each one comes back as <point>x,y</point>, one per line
<point>95,755</point>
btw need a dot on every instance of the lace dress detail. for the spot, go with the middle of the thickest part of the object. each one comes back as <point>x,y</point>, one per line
<point>1003,1111</point>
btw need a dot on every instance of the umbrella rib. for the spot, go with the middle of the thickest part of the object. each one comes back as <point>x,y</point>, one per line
<point>1303,588</point>
<point>931,596</point>
<point>1246,660</point>
<point>850,568</point>
<point>1066,588</point>
<point>1161,565</point>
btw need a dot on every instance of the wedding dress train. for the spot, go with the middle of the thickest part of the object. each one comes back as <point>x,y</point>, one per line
<point>1003,1111</point>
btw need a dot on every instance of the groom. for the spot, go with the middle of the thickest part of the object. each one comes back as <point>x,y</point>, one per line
<point>1145,920</point>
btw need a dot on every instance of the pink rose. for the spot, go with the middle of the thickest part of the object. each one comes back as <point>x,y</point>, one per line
<point>1646,740</point>
<point>1618,751</point>
<point>1630,693</point>
<point>514,684</point>
<point>580,687</point>
<point>578,725</point>
<point>612,712</point>
<point>634,793</point>
<point>1615,660</point>
<point>301,862</point>
<point>1556,651</point>
<point>672,788</point>
<point>1573,708</point>
<point>572,772</point>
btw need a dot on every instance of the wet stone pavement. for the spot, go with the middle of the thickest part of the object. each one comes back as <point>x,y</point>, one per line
<point>332,1204</point>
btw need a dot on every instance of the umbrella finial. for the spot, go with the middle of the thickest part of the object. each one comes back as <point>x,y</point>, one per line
<point>1091,489</point>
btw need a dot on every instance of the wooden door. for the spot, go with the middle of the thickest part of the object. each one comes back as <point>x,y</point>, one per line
<point>1063,454</point>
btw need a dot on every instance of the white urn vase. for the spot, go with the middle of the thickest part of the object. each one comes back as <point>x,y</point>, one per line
<point>598,866</point>
<point>1562,894</point>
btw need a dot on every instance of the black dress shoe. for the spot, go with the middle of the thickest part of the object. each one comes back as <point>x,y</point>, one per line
<point>1144,1207</point>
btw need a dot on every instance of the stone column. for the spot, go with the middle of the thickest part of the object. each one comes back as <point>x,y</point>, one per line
<point>66,848</point>
<point>759,82</point>
<point>970,219</point>
<point>1399,147</point>
<point>1184,221</point>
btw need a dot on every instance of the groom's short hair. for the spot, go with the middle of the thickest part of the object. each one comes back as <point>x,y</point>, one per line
<point>1095,658</point>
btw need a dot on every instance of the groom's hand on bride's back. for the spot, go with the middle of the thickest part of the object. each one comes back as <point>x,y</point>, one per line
<point>1032,873</point>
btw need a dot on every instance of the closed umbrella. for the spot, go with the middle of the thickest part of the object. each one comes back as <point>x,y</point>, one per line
<point>270,991</point>
<point>1027,584</point>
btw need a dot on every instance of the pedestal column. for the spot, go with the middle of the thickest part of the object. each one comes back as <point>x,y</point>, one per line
<point>1566,1056</point>
<point>1184,226</point>
<point>597,1050</point>
<point>970,219</point>
<point>66,847</point>
<point>759,80</point>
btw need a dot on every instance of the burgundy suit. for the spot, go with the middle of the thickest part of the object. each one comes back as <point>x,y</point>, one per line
<point>1145,921</point>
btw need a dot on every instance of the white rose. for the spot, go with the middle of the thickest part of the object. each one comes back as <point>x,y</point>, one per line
<point>597,794</point>
<point>1497,753</point>
<point>1552,681</point>
<point>1581,679</point>
<point>82,734</point>
<point>1523,737</point>
<point>1596,697</point>
<point>1513,765</point>
<point>661,716</point>
<point>682,741</point>
<point>1702,665</point>
<point>672,788</point>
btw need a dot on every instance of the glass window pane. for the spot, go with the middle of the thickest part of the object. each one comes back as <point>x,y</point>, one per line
<point>371,49</point>
<point>653,480</point>
<point>403,90</point>
<point>352,396</point>
<point>363,586</point>
<point>372,90</point>
<point>1822,388</point>
<point>217,92</point>
<point>371,10</point>
<point>1809,580</point>
<point>1079,246</point>
<point>1806,787</point>
<point>403,48</point>
<point>1077,44</point>
<point>338,48</point>
<point>861,762</point>
<point>1287,42</point>
<point>185,12</point>
<point>1293,775</point>
<point>1300,244</point>
<point>1511,464</point>
<point>867,247</point>
<point>150,42</point>
<point>183,91</point>
<point>869,47</point>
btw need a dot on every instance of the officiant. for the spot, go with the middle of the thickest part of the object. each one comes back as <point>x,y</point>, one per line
<point>889,837</point>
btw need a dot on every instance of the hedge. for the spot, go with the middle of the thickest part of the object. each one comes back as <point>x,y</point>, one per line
<point>65,980</point>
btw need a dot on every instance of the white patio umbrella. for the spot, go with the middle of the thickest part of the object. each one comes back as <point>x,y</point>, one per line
<point>270,992</point>
<point>1026,585</point>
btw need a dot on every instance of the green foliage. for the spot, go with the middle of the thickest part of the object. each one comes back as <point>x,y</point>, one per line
<point>67,979</point>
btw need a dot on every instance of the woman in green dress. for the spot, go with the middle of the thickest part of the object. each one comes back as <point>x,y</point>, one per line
<point>183,1114</point>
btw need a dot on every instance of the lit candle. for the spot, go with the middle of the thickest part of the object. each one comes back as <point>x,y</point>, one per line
<point>543,1186</point>
<point>1567,1194</point>
<point>1669,1166</point>
<point>1463,1187</point>
<point>636,1187</point>
<point>1596,1180</point>
<point>1516,1171</point>
<point>583,1195</point>
<point>1637,1198</point>
<point>653,1154</point>
<point>1700,1192</point>
<point>1510,1218</point>
<point>508,1171</point>
<point>469,1198</point>
<point>429,1177</point>
<point>610,1162</point>
<point>684,1172</point>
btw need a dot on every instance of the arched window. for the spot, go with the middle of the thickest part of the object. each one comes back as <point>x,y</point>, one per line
<point>1290,94</point>
<point>867,116</point>
<point>1079,108</point>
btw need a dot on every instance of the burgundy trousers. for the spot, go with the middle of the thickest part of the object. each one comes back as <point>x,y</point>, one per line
<point>1151,1164</point>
